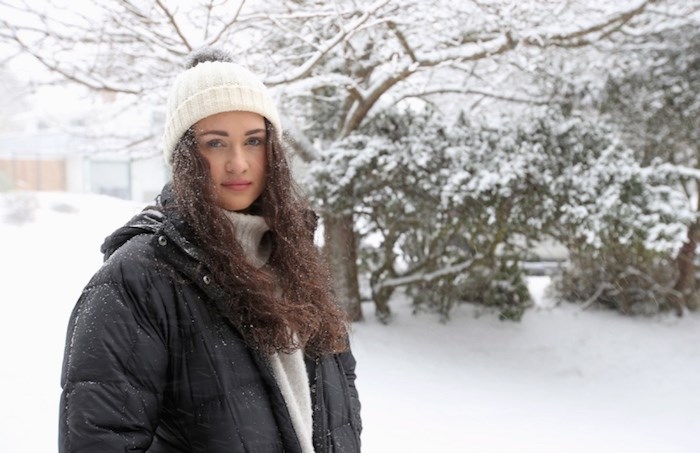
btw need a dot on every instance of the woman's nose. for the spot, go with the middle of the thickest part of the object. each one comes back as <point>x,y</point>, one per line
<point>236,163</point>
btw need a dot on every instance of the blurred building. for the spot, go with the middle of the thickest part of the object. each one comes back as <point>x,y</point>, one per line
<point>58,161</point>
<point>77,148</point>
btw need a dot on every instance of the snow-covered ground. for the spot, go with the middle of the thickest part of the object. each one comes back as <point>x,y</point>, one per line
<point>562,380</point>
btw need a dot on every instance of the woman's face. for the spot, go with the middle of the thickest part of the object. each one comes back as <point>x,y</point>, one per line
<point>233,143</point>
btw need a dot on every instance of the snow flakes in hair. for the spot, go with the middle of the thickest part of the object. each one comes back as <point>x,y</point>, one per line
<point>207,54</point>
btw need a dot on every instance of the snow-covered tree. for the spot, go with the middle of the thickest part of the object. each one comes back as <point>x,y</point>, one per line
<point>334,64</point>
<point>424,50</point>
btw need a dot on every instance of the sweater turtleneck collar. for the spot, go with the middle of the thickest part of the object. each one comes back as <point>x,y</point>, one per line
<point>249,231</point>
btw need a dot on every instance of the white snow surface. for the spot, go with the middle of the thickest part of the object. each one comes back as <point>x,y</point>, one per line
<point>561,380</point>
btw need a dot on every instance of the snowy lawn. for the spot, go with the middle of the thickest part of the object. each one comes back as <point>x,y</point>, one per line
<point>562,380</point>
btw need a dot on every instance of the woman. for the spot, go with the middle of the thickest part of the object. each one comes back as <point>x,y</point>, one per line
<point>211,326</point>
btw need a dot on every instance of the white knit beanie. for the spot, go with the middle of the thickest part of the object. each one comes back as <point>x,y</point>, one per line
<point>213,84</point>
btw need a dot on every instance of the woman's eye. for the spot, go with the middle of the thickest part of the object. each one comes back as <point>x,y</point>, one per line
<point>254,141</point>
<point>214,144</point>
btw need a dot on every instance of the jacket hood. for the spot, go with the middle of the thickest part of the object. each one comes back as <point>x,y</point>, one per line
<point>148,221</point>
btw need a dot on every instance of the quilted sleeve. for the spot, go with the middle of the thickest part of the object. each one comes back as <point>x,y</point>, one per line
<point>113,372</point>
<point>348,362</point>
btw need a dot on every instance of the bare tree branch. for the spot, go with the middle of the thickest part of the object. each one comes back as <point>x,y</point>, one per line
<point>172,20</point>
<point>306,68</point>
<point>425,277</point>
<point>299,141</point>
<point>209,7</point>
<point>469,92</point>
<point>558,38</point>
<point>470,52</point>
<point>360,110</point>
<point>92,84</point>
<point>228,25</point>
<point>402,40</point>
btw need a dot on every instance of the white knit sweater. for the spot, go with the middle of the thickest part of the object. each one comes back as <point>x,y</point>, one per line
<point>289,369</point>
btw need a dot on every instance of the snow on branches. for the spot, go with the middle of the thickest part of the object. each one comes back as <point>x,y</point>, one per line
<point>444,207</point>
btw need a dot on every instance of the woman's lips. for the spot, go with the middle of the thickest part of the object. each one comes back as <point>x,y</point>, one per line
<point>237,185</point>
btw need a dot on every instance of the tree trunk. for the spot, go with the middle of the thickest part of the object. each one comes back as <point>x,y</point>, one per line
<point>341,254</point>
<point>381,301</point>
<point>685,261</point>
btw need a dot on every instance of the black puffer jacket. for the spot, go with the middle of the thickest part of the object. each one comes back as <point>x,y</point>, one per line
<point>151,364</point>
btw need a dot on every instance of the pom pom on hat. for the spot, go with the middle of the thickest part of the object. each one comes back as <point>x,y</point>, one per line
<point>212,84</point>
<point>207,54</point>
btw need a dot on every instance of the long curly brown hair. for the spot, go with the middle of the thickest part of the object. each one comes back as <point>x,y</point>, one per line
<point>304,313</point>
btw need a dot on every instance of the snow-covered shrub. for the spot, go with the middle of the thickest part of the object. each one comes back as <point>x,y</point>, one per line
<point>621,222</point>
<point>18,207</point>
<point>437,206</point>
<point>447,211</point>
<point>503,289</point>
<point>651,97</point>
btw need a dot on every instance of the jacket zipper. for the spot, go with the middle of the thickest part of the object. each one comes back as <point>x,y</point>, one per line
<point>320,422</point>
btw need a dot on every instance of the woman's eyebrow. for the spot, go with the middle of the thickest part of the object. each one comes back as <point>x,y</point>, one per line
<point>213,132</point>
<point>254,131</point>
